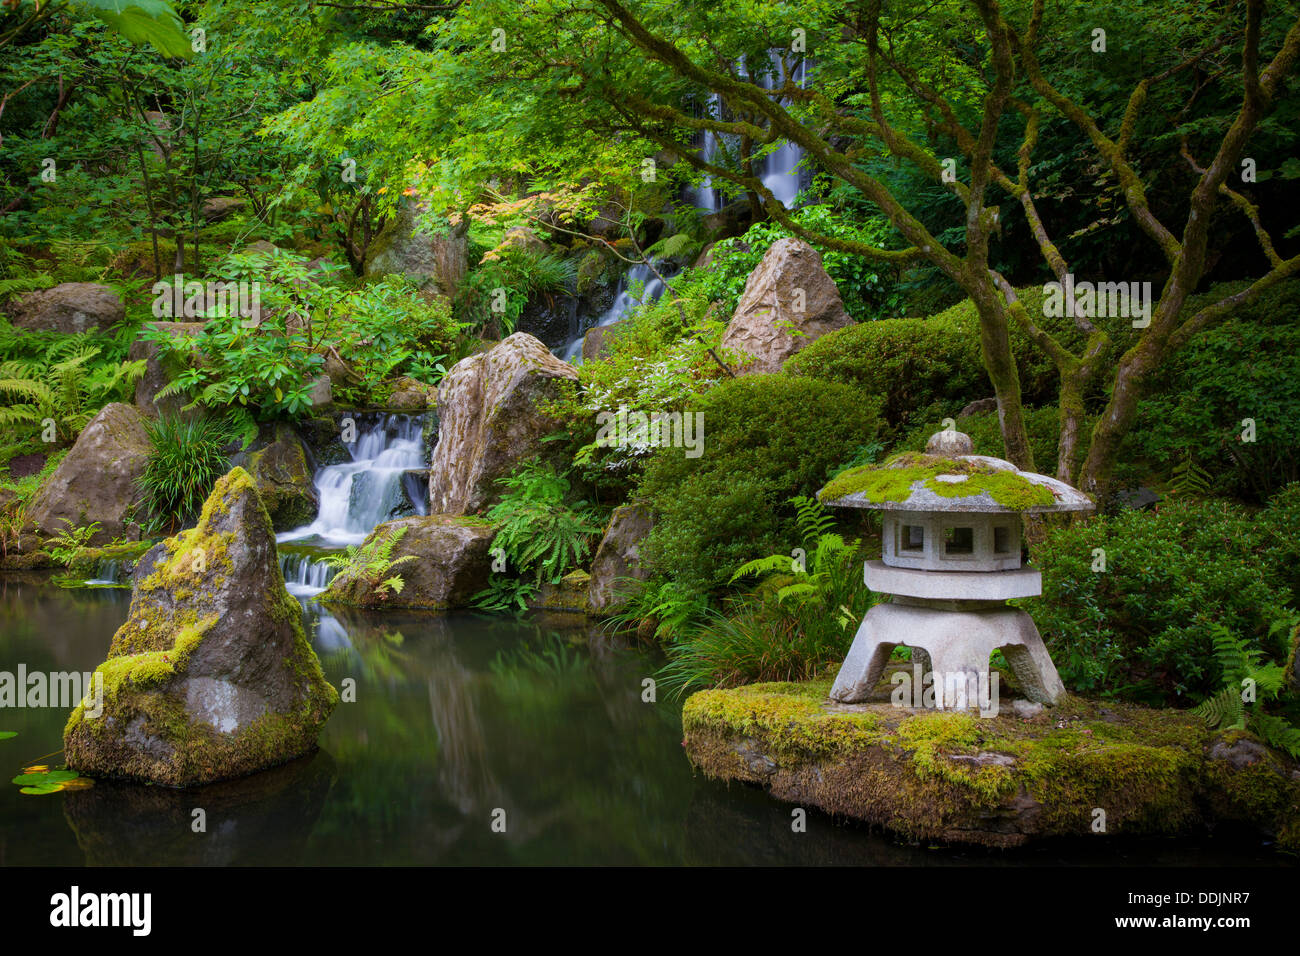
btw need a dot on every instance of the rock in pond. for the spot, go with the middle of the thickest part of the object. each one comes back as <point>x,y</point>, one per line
<point>789,302</point>
<point>211,676</point>
<point>96,481</point>
<point>997,781</point>
<point>616,559</point>
<point>449,564</point>
<point>490,419</point>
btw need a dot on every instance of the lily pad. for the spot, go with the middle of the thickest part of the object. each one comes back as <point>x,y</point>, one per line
<point>41,781</point>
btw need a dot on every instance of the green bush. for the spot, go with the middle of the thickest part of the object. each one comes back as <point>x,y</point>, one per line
<point>798,622</point>
<point>1248,367</point>
<point>912,364</point>
<point>1144,628</point>
<point>767,438</point>
<point>186,457</point>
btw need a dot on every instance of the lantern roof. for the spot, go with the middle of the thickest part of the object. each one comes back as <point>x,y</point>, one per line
<point>947,478</point>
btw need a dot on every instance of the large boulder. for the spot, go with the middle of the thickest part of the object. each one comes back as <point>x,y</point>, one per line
<point>451,564</point>
<point>789,302</point>
<point>211,676</point>
<point>284,480</point>
<point>437,263</point>
<point>69,307</point>
<point>490,418</point>
<point>159,370</point>
<point>616,559</point>
<point>96,481</point>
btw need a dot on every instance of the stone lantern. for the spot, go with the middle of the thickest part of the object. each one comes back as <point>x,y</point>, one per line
<point>951,560</point>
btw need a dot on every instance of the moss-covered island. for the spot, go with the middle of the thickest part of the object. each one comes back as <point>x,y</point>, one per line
<point>1078,769</point>
<point>211,676</point>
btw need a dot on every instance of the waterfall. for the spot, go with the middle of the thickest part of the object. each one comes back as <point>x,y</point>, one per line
<point>779,170</point>
<point>624,302</point>
<point>372,487</point>
<point>305,574</point>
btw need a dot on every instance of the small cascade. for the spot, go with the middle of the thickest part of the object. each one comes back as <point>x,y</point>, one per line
<point>372,487</point>
<point>111,572</point>
<point>305,573</point>
<point>624,302</point>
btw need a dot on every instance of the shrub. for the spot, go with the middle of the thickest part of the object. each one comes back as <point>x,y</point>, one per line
<point>767,438</point>
<point>522,273</point>
<point>1144,627</point>
<point>186,457</point>
<point>1248,367</point>
<point>797,622</point>
<point>910,363</point>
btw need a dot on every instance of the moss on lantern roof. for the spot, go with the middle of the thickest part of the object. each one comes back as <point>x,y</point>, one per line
<point>894,481</point>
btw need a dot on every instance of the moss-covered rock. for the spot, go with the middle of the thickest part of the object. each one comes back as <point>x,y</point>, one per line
<point>211,676</point>
<point>97,481</point>
<point>443,561</point>
<point>998,781</point>
<point>568,594</point>
<point>284,481</point>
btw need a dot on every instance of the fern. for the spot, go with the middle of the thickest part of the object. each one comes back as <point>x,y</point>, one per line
<point>1190,479</point>
<point>679,244</point>
<point>1249,680</point>
<point>370,565</point>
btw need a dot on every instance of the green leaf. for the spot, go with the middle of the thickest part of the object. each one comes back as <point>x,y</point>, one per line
<point>6,734</point>
<point>144,21</point>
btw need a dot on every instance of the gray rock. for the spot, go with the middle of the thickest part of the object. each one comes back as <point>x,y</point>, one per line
<point>595,344</point>
<point>284,480</point>
<point>437,263</point>
<point>211,676</point>
<point>1025,709</point>
<point>452,564</point>
<point>789,302</point>
<point>69,307</point>
<point>616,559</point>
<point>159,371</point>
<point>96,481</point>
<point>981,406</point>
<point>490,419</point>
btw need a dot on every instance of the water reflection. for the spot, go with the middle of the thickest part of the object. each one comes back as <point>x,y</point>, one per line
<point>450,719</point>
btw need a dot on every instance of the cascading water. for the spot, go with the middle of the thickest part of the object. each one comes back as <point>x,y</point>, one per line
<point>780,168</point>
<point>372,487</point>
<point>625,300</point>
<point>305,574</point>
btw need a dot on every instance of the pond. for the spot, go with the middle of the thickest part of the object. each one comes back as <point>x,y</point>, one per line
<point>455,716</point>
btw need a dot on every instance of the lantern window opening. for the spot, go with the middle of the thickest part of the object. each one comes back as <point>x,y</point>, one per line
<point>911,537</point>
<point>958,541</point>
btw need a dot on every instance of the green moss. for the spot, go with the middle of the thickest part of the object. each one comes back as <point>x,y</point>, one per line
<point>894,481</point>
<point>997,781</point>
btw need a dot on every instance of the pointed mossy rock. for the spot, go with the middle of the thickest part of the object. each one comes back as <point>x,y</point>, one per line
<point>211,676</point>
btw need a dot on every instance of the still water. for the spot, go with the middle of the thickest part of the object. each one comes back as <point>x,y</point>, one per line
<point>455,717</point>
